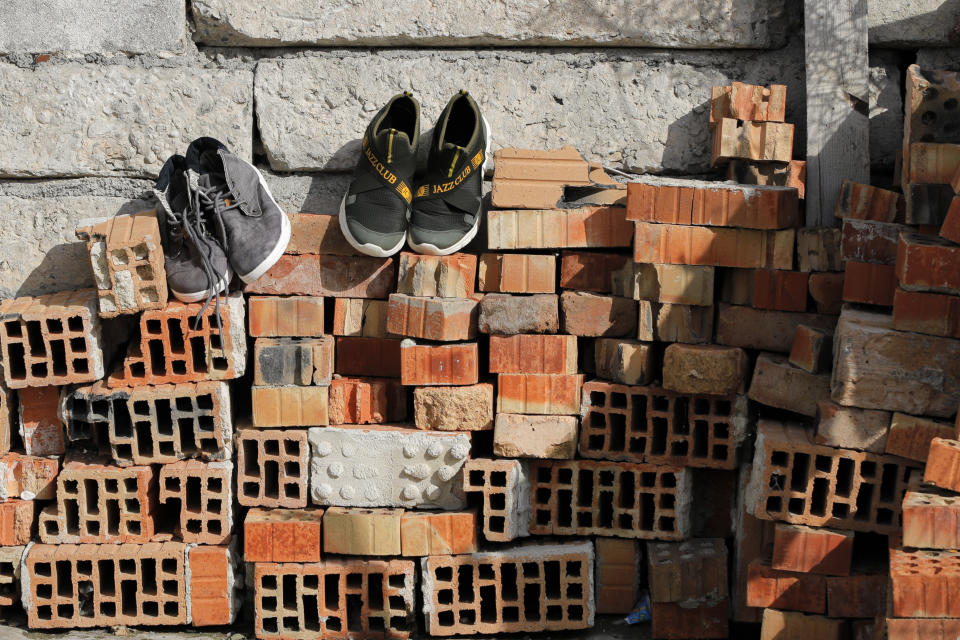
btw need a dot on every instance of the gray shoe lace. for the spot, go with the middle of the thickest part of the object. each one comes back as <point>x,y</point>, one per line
<point>195,230</point>
<point>212,201</point>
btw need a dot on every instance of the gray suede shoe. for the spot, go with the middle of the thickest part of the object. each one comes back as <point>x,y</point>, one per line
<point>237,205</point>
<point>196,267</point>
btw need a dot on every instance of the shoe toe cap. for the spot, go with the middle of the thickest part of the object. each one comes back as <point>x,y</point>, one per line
<point>364,235</point>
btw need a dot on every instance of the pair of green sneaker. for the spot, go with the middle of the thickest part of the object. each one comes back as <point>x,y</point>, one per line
<point>440,212</point>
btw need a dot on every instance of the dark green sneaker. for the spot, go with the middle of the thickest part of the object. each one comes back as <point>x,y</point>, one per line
<point>446,205</point>
<point>374,211</point>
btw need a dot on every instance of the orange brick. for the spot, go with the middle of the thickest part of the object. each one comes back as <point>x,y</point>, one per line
<point>272,467</point>
<point>864,202</point>
<point>931,519</point>
<point>17,522</point>
<point>589,227</point>
<point>812,349</point>
<point>826,289</point>
<point>317,233</point>
<point>713,246</point>
<point>431,533</point>
<point>333,276</point>
<point>933,163</point>
<point>749,102</point>
<point>202,494</point>
<point>869,283</point>
<point>294,316</point>
<point>698,202</point>
<point>921,628</point>
<point>618,575</point>
<point>441,319</point>
<point>533,393</point>
<point>593,315</point>
<point>438,364</point>
<point>812,550</point>
<point>585,271</point>
<point>780,290</point>
<point>518,273</point>
<point>28,476</point>
<point>943,464</point>
<point>751,141</point>
<point>359,317</point>
<point>367,401</point>
<point>282,535</point>
<point>924,582</point>
<point>794,625</point>
<point>535,179</point>
<point>452,276</point>
<point>928,263</point>
<point>769,588</point>
<point>533,353</point>
<point>40,424</point>
<point>360,356</point>
<point>910,436</point>
<point>289,406</point>
<point>951,224</point>
<point>212,586</point>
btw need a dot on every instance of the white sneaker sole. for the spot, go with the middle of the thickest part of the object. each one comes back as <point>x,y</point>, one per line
<point>365,248</point>
<point>285,230</point>
<point>206,293</point>
<point>433,250</point>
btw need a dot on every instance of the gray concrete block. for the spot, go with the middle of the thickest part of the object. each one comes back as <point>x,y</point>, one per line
<point>947,59</point>
<point>886,108</point>
<point>84,119</point>
<point>689,24</point>
<point>307,192</point>
<point>92,26</point>
<point>912,23</point>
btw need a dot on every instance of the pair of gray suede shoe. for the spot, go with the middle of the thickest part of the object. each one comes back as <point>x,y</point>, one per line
<point>217,218</point>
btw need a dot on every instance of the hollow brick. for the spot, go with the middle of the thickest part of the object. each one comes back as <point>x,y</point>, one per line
<point>200,494</point>
<point>11,562</point>
<point>923,583</point>
<point>504,488</point>
<point>272,467</point>
<point>931,518</point>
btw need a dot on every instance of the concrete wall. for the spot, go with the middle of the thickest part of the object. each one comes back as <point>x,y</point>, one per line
<point>95,94</point>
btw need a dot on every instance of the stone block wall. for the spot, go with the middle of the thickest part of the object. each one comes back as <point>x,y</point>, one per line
<point>95,94</point>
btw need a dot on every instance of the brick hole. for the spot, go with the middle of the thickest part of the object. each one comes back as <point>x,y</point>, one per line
<point>638,413</point>
<point>843,484</point>
<point>779,458</point>
<point>38,370</point>
<point>868,469</point>
<point>660,403</point>
<point>445,618</point>
<point>499,478</point>
<point>618,430</point>
<point>72,516</point>
<point>144,439</point>
<point>445,596</point>
<point>119,257</point>
<point>508,582</point>
<point>884,516</point>
<point>498,524</point>
<point>271,447</point>
<point>818,497</point>
<point>80,366</point>
<point>595,442</point>
<point>531,602</point>
<point>13,329</point>
<point>270,625</point>
<point>667,501</point>
<point>465,583</point>
<point>133,528</point>
<point>214,527</point>
<point>721,430</point>
<point>251,458</point>
<point>52,528</point>
<point>864,502</point>
<point>151,609</point>
<point>575,611</point>
<point>130,485</point>
<point>42,569</point>
<point>311,613</point>
<point>681,416</point>
<point>799,475</point>
<point>648,479</point>
<point>585,488</point>
<point>564,475</point>
<point>165,448</point>
<point>58,356</point>
<point>888,483</point>
<point>647,509</point>
<point>149,295</point>
<point>564,508</point>
<point>510,614</point>
<point>467,616</point>
<point>551,579</point>
<point>198,350</point>
<point>93,527</point>
<point>618,400</point>
<point>777,482</point>
<point>64,578</point>
<point>598,398</point>
<point>204,423</point>
<point>291,490</point>
<point>638,445</point>
<point>289,591</point>
<point>137,370</point>
<point>720,452</point>
<point>334,623</point>
<point>701,436</point>
<point>658,444</point>
<point>597,420</point>
<point>488,603</point>
<point>45,612</point>
<point>354,612</point>
<point>148,576</point>
<point>554,612</point>
<point>774,504</point>
<point>606,478</point>
<point>193,502</point>
<point>251,489</point>
<point>291,469</point>
<point>268,603</point>
<point>175,336</point>
<point>627,490</point>
<point>16,365</point>
<point>65,611</point>
<point>158,360</point>
<point>679,449</point>
<point>291,623</point>
<point>78,345</point>
<point>606,509</point>
<point>145,272</point>
<point>796,506</point>
<point>154,326</point>
<point>45,591</point>
<point>178,367</point>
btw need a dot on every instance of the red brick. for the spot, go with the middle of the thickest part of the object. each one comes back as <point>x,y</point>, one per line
<point>282,535</point>
<point>272,467</point>
<point>859,595</point>
<point>535,179</point>
<point>127,245</point>
<point>289,406</point>
<point>40,424</point>
<point>819,249</point>
<point>811,550</point>
<point>927,206</point>
<point>924,583</point>
<point>335,599</point>
<point>780,290</point>
<point>536,393</point>
<point>694,571</point>
<point>317,233</point>
<point>437,533</point>
<point>359,317</point>
<point>448,364</point>
<point>749,102</point>
<point>922,628</point>
<point>442,319</point>
<point>752,537</point>
<point>588,314</point>
<point>868,241</point>
<point>618,575</point>
<point>51,340</point>
<point>931,313</point>
<point>174,348</point>
<point>951,224</point>
<point>943,464</point>
<point>17,522</point>
<point>851,427</point>
<point>826,289</point>
<point>928,263</point>
<point>533,353</point>
<point>518,273</point>
<point>28,476</point>
<point>751,141</point>
<point>201,491</point>
<point>705,369</point>
<point>367,401</point>
<point>212,585</point>
<point>789,174</point>
<point>869,283</point>
<point>127,584</point>
<point>334,276</point>
<point>769,588</point>
<point>455,587</point>
<point>864,202</point>
<point>293,361</point>
<point>932,162</point>
<point>910,436</point>
<point>663,322</point>
<point>452,276</point>
<point>678,621</point>
<point>588,227</point>
<point>585,271</point>
<point>793,625</point>
<point>777,383</point>
<point>697,202</point>
<point>931,518</point>
<point>359,356</point>
<point>713,246</point>
<point>812,350</point>
<point>294,316</point>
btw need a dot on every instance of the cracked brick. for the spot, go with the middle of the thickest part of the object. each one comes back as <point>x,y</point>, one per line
<point>359,317</point>
<point>749,102</point>
<point>293,361</point>
<point>28,477</point>
<point>452,276</point>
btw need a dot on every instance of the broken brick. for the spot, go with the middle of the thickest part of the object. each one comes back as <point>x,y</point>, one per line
<point>742,101</point>
<point>812,350</point>
<point>359,317</point>
<point>452,276</point>
<point>332,276</point>
<point>623,361</point>
<point>746,140</point>
<point>293,361</point>
<point>535,179</point>
<point>525,436</point>
<point>28,477</point>
<point>910,436</point>
<point>17,522</point>
<point>441,319</point>
<point>775,174</point>
<point>40,425</point>
<point>826,289</point>
<point>366,401</point>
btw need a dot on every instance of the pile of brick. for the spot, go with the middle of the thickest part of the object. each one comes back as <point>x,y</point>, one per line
<point>556,425</point>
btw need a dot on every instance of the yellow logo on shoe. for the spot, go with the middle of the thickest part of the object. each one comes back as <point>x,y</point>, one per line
<point>477,159</point>
<point>447,186</point>
<point>379,167</point>
<point>423,190</point>
<point>404,191</point>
